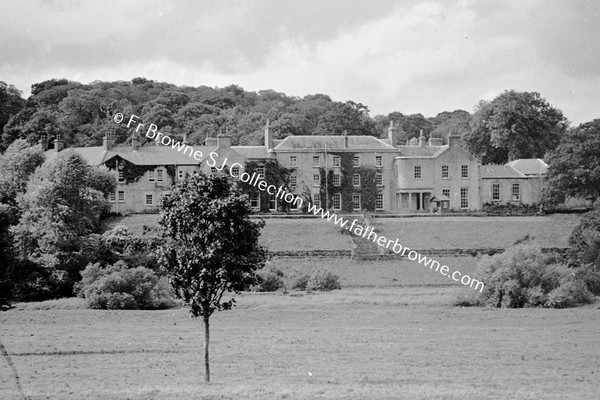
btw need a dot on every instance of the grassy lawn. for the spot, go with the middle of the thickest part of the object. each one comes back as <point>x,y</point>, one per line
<point>417,233</point>
<point>401,343</point>
<point>353,273</point>
<point>478,232</point>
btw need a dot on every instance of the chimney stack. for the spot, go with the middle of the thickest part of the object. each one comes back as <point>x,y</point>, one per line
<point>44,142</point>
<point>454,140</point>
<point>268,137</point>
<point>422,139</point>
<point>223,142</point>
<point>134,144</point>
<point>108,141</point>
<point>185,140</point>
<point>345,139</point>
<point>392,133</point>
<point>59,144</point>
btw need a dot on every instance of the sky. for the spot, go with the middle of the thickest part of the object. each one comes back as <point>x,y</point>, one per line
<point>390,55</point>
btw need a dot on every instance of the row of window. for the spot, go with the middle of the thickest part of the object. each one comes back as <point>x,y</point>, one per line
<point>356,201</point>
<point>464,196</point>
<point>515,192</point>
<point>336,161</point>
<point>337,180</point>
<point>464,172</point>
<point>119,197</point>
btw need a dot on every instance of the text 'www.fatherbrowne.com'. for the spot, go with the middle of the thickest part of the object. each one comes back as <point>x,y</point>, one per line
<point>281,193</point>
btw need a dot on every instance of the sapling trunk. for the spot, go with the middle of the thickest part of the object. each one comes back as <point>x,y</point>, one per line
<point>206,342</point>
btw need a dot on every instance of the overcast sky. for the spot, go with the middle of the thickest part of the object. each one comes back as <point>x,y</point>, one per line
<point>407,56</point>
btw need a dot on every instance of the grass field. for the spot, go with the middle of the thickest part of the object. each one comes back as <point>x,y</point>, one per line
<point>355,273</point>
<point>480,232</point>
<point>417,233</point>
<point>401,343</point>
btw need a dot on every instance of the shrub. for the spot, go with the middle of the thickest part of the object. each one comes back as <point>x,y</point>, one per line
<point>301,282</point>
<point>120,287</point>
<point>523,276</point>
<point>268,279</point>
<point>324,280</point>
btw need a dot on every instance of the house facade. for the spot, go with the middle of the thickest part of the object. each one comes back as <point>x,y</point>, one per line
<point>344,173</point>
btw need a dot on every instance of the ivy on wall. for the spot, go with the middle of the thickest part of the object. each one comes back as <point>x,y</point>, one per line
<point>132,172</point>
<point>368,188</point>
<point>274,175</point>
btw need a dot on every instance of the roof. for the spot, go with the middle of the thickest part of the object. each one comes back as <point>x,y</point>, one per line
<point>500,171</point>
<point>253,151</point>
<point>418,151</point>
<point>144,155</point>
<point>529,166</point>
<point>305,142</point>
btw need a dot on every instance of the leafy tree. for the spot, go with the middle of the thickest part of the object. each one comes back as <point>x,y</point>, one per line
<point>445,122</point>
<point>11,102</point>
<point>213,247</point>
<point>17,163</point>
<point>514,125</point>
<point>574,167</point>
<point>64,202</point>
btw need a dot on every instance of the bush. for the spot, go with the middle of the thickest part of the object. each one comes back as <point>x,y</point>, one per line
<point>523,276</point>
<point>324,280</point>
<point>123,288</point>
<point>301,282</point>
<point>268,279</point>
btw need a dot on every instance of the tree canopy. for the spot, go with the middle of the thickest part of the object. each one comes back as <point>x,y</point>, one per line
<point>213,245</point>
<point>514,125</point>
<point>574,166</point>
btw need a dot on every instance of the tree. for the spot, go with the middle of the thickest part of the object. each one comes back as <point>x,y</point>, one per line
<point>574,167</point>
<point>17,163</point>
<point>63,204</point>
<point>213,247</point>
<point>11,102</point>
<point>514,125</point>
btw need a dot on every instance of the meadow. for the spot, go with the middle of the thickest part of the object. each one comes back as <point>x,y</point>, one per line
<point>400,343</point>
<point>417,233</point>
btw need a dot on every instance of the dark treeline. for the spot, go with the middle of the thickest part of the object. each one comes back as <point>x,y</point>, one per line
<point>82,114</point>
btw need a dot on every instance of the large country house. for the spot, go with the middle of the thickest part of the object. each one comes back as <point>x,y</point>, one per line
<point>345,173</point>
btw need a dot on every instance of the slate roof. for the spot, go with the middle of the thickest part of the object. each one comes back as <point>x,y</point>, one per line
<point>144,155</point>
<point>500,171</point>
<point>418,151</point>
<point>253,151</point>
<point>530,166</point>
<point>305,142</point>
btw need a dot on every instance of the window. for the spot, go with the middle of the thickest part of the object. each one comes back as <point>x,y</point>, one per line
<point>293,161</point>
<point>159,175</point>
<point>355,161</point>
<point>379,201</point>
<point>121,196</point>
<point>149,199</point>
<point>316,161</point>
<point>336,161</point>
<point>355,179</point>
<point>235,172</point>
<point>379,179</point>
<point>316,179</point>
<point>317,199</point>
<point>150,176</point>
<point>260,171</point>
<point>180,175</point>
<point>516,192</point>
<point>293,180</point>
<point>378,161</point>
<point>272,202</point>
<point>112,197</point>
<point>445,172</point>
<point>121,176</point>
<point>464,171</point>
<point>464,197</point>
<point>495,191</point>
<point>446,192</point>
<point>356,201</point>
<point>337,201</point>
<point>417,172</point>
<point>337,181</point>
<point>255,201</point>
